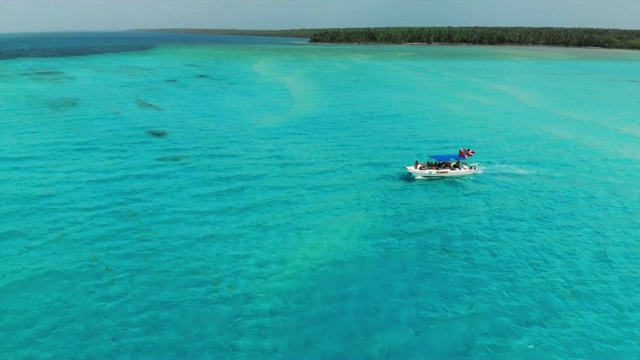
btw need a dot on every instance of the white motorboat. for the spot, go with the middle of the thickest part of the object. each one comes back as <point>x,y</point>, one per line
<point>439,166</point>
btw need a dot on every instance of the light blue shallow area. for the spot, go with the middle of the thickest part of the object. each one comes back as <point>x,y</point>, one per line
<point>275,219</point>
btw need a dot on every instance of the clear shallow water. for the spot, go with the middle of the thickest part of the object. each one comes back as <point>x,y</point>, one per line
<point>274,219</point>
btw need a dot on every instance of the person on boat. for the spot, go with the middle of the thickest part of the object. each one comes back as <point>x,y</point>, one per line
<point>415,166</point>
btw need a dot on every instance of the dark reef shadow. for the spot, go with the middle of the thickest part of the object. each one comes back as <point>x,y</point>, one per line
<point>48,76</point>
<point>172,158</point>
<point>157,133</point>
<point>62,104</point>
<point>147,105</point>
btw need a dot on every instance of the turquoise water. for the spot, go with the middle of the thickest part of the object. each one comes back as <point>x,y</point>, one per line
<point>270,216</point>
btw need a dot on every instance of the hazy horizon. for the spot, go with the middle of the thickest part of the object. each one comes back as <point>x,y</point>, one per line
<point>109,15</point>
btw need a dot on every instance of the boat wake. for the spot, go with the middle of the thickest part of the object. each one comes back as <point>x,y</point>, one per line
<point>504,169</point>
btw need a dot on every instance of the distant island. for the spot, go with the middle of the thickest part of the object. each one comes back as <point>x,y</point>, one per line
<point>540,36</point>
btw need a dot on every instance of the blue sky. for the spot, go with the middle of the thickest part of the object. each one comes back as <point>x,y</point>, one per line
<point>70,15</point>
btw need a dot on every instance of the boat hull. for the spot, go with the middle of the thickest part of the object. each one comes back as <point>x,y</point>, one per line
<point>440,173</point>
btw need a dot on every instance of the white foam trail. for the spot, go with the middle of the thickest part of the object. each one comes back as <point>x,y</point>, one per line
<point>504,169</point>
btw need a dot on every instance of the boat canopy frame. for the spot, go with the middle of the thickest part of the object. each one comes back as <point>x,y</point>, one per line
<point>445,158</point>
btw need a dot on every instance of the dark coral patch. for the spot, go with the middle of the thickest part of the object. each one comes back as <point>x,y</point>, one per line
<point>45,73</point>
<point>48,76</point>
<point>61,104</point>
<point>147,105</point>
<point>157,133</point>
<point>172,158</point>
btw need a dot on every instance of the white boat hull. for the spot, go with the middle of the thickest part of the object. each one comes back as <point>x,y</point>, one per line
<point>440,173</point>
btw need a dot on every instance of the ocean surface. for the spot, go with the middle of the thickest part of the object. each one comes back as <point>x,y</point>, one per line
<point>173,196</point>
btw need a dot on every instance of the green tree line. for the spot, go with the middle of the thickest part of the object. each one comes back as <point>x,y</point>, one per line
<point>576,37</point>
